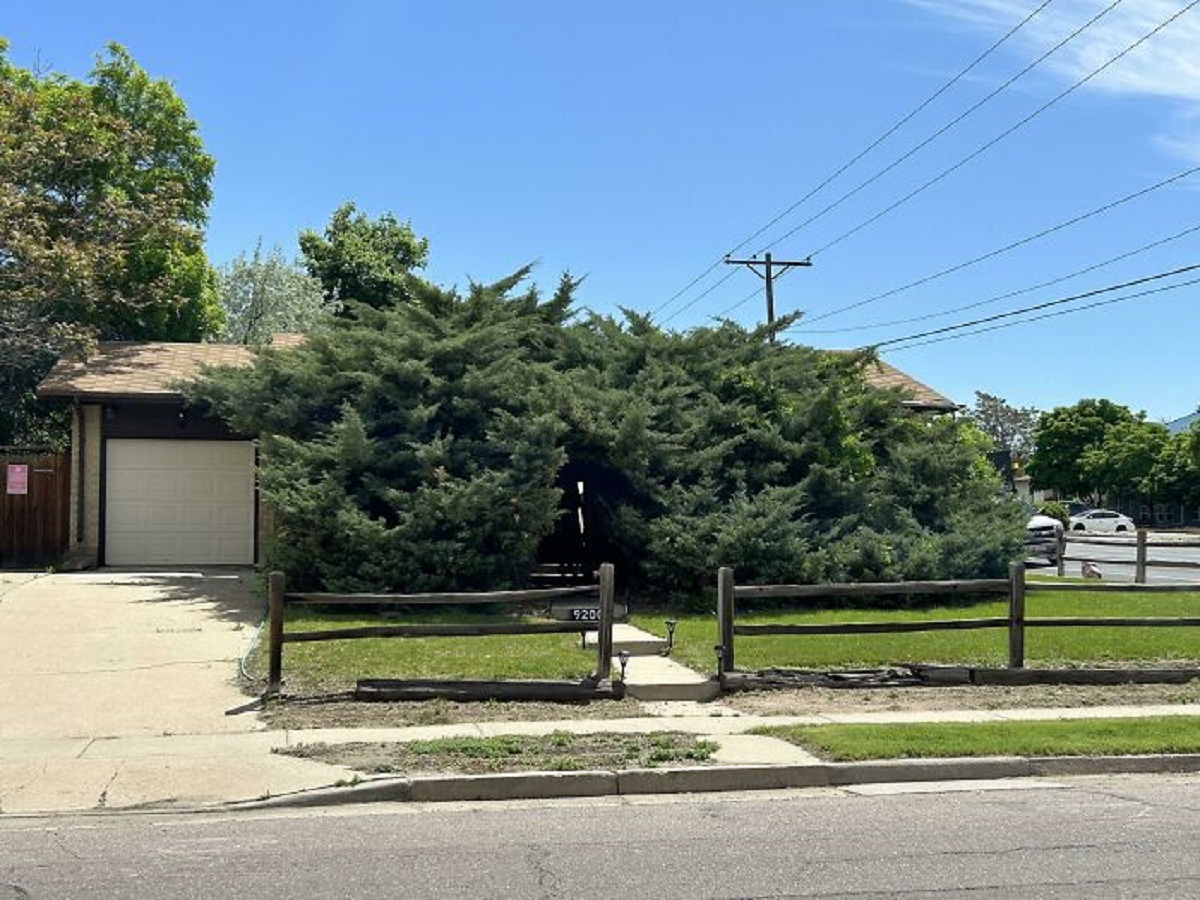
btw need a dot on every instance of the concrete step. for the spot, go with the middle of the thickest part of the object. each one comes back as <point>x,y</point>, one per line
<point>659,678</point>
<point>632,640</point>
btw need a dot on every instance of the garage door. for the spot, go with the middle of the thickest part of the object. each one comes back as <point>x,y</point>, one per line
<point>178,502</point>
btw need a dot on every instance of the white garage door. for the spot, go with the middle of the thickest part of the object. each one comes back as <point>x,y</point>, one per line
<point>170,502</point>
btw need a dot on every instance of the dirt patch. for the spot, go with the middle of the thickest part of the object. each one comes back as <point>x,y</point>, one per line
<point>803,701</point>
<point>557,752</point>
<point>340,712</point>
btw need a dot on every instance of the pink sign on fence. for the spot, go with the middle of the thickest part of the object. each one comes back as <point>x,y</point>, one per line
<point>18,478</point>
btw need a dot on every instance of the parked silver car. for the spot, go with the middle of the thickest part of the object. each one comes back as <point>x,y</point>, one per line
<point>1104,520</point>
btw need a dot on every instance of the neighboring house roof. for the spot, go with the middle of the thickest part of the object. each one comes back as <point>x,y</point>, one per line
<point>1179,426</point>
<point>921,396</point>
<point>149,370</point>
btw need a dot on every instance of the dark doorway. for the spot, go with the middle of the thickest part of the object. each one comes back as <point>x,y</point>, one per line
<point>584,535</point>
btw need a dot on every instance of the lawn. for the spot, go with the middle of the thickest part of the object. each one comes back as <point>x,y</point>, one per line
<point>695,635</point>
<point>1085,737</point>
<point>336,665</point>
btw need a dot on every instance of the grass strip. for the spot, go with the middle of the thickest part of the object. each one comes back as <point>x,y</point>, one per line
<point>1059,737</point>
<point>695,635</point>
<point>560,751</point>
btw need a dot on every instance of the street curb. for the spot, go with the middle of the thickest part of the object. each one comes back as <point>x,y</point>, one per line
<point>717,779</point>
<point>513,786</point>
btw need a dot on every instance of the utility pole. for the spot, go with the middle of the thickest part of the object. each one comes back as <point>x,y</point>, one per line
<point>770,267</point>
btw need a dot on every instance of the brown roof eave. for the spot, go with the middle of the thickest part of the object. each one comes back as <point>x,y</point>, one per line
<point>108,397</point>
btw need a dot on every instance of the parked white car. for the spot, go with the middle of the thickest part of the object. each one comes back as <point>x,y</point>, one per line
<point>1041,537</point>
<point>1104,520</point>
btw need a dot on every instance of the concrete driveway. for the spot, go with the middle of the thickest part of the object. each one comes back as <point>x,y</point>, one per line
<point>113,653</point>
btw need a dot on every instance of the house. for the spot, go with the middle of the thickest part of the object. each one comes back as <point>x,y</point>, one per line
<point>152,483</point>
<point>155,484</point>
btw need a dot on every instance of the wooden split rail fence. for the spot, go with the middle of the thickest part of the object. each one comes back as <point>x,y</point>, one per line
<point>1142,544</point>
<point>1014,587</point>
<point>279,598</point>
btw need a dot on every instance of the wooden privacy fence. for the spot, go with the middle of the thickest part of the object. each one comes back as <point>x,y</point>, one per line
<point>1142,544</point>
<point>34,507</point>
<point>279,598</point>
<point>1014,587</point>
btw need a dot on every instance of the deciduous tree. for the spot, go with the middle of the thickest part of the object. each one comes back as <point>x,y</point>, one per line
<point>1010,428</point>
<point>1064,436</point>
<point>104,187</point>
<point>264,294</point>
<point>366,260</point>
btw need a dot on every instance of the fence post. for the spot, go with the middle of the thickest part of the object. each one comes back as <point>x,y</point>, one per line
<point>1139,572</point>
<point>725,612</point>
<point>1062,551</point>
<point>1016,616</point>
<point>276,584</point>
<point>604,639</point>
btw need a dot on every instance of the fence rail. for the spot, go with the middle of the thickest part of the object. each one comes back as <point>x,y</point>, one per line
<point>1142,544</point>
<point>1016,622</point>
<point>279,599</point>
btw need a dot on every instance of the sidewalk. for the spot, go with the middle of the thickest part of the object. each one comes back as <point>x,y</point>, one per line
<point>120,693</point>
<point>237,767</point>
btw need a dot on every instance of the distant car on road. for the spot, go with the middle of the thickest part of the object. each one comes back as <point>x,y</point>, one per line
<point>1041,537</point>
<point>1104,520</point>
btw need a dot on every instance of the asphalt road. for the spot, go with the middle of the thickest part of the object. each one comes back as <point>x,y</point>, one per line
<point>1116,836</point>
<point>1117,561</point>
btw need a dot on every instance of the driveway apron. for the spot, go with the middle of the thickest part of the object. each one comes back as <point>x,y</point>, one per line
<point>113,653</point>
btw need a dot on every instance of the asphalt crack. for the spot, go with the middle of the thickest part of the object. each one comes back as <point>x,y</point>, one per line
<point>549,884</point>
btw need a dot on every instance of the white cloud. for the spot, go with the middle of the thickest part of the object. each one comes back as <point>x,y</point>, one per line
<point>1183,138</point>
<point>1165,66</point>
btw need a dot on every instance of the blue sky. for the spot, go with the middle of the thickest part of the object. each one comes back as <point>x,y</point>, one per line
<point>638,142</point>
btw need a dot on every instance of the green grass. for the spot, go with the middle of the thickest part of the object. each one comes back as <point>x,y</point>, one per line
<point>559,751</point>
<point>1084,737</point>
<point>696,635</point>
<point>336,665</point>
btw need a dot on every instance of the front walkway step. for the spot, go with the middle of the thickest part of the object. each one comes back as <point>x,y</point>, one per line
<point>632,640</point>
<point>659,678</point>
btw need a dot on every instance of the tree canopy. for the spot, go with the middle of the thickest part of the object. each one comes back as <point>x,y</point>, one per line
<point>422,440</point>
<point>1097,448</point>
<point>1010,428</point>
<point>265,294</point>
<point>363,259</point>
<point>1065,435</point>
<point>104,187</point>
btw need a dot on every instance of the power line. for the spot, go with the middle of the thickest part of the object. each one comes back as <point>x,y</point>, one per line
<point>987,146</point>
<point>875,143</point>
<point>725,312</point>
<point>724,278</point>
<point>951,124</point>
<point>1049,315</point>
<point>1007,247</point>
<point>1010,294</point>
<point>1038,306</point>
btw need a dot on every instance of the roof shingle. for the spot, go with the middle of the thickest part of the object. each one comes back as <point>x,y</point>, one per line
<point>138,369</point>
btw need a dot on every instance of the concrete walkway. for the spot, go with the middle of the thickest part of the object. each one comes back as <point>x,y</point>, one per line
<point>99,654</point>
<point>207,770</point>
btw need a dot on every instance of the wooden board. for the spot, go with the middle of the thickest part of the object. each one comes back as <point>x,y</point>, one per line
<point>386,689</point>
